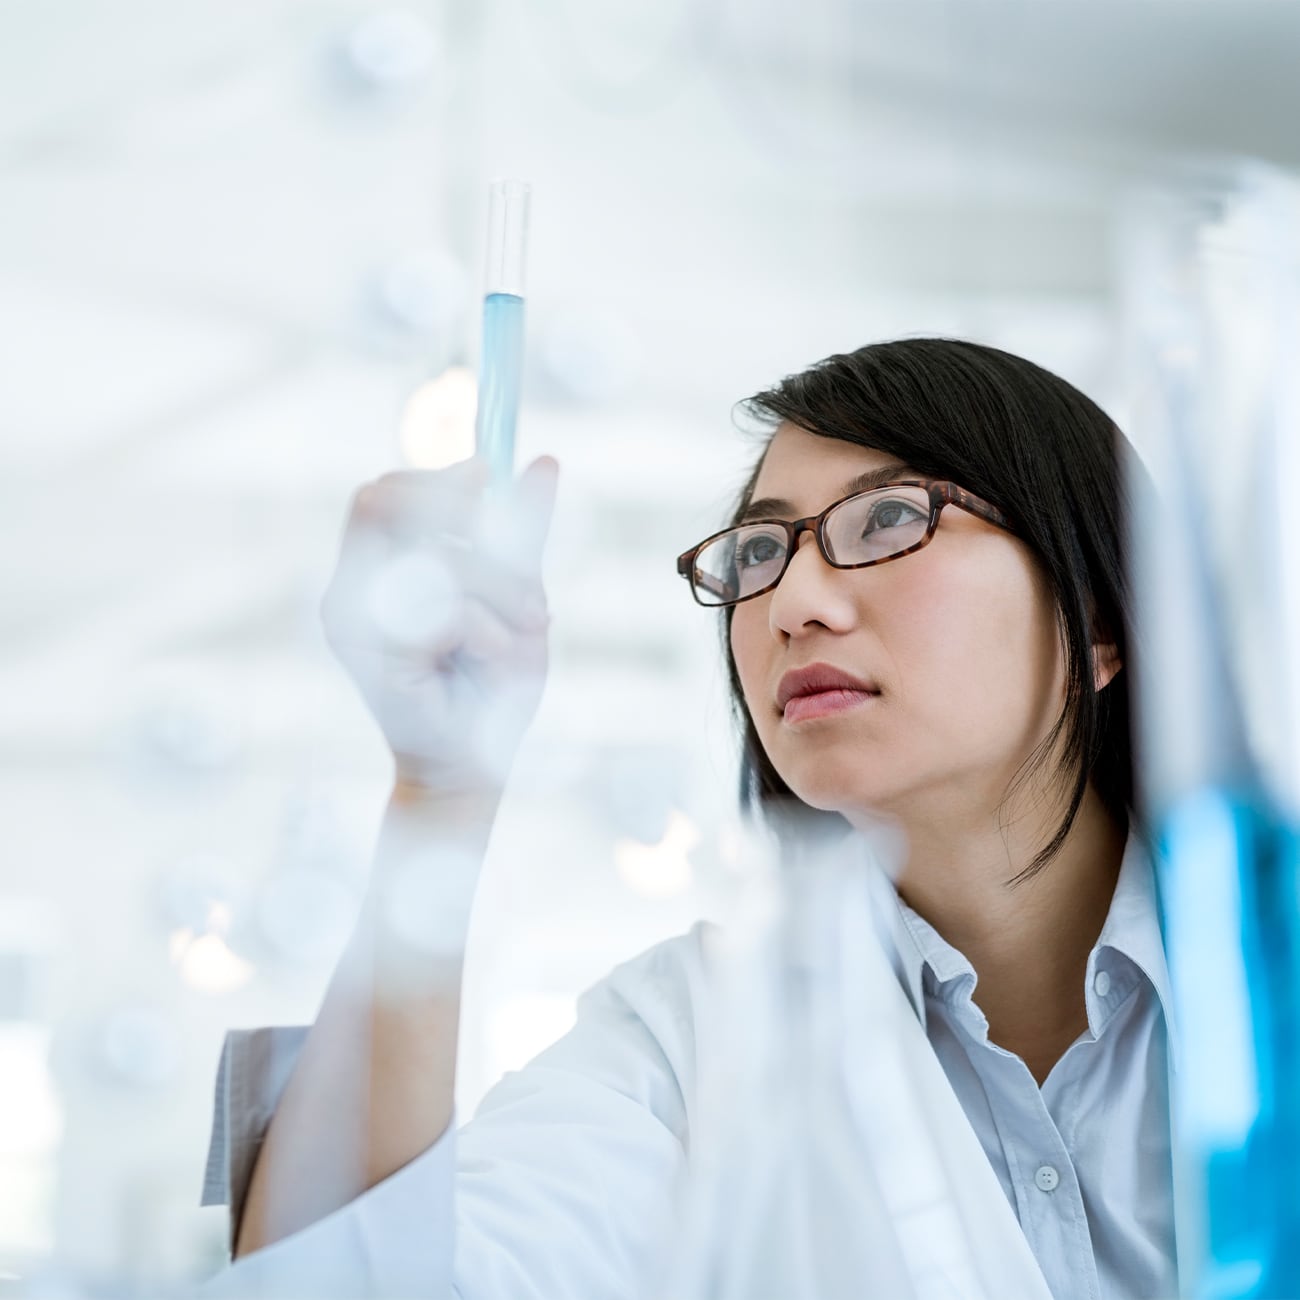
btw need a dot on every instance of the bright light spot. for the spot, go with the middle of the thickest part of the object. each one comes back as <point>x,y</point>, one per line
<point>206,963</point>
<point>31,1125</point>
<point>31,1119</point>
<point>659,870</point>
<point>177,943</point>
<point>525,1024</point>
<point>437,424</point>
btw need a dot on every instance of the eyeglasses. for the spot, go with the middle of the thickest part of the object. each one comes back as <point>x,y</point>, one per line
<point>854,533</point>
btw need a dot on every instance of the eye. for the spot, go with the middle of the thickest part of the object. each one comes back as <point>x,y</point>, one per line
<point>762,549</point>
<point>893,513</point>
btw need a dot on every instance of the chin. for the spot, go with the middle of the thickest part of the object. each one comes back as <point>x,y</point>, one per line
<point>832,797</point>
<point>826,796</point>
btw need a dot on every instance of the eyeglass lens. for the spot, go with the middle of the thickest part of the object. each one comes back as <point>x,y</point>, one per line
<point>869,526</point>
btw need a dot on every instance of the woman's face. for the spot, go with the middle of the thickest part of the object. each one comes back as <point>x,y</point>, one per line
<point>958,642</point>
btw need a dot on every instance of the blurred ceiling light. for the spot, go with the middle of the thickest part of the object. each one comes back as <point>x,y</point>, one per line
<point>31,1127</point>
<point>390,51</point>
<point>660,870</point>
<point>31,1119</point>
<point>206,964</point>
<point>437,423</point>
<point>199,894</point>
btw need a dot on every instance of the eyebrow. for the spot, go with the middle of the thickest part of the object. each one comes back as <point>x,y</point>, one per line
<point>780,507</point>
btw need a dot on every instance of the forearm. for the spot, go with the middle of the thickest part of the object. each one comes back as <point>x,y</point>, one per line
<point>374,1086</point>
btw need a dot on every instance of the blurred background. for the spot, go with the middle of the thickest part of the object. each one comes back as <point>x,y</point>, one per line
<point>240,268</point>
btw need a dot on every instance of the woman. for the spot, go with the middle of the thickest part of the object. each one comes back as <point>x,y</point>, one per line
<point>926,610</point>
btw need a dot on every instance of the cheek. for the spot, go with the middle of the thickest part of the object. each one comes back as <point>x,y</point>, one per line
<point>982,645</point>
<point>749,643</point>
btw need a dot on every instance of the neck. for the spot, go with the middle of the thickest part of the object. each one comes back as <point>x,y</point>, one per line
<point>1028,943</point>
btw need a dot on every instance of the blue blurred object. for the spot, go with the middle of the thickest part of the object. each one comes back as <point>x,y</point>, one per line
<point>1229,866</point>
<point>1214,310</point>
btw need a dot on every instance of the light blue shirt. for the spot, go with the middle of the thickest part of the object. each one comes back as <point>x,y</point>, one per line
<point>563,1184</point>
<point>1085,1160</point>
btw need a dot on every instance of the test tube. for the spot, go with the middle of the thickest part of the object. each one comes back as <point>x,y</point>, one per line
<point>502,358</point>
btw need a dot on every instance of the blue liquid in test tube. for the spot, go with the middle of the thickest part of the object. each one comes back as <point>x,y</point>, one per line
<point>499,381</point>
<point>502,359</point>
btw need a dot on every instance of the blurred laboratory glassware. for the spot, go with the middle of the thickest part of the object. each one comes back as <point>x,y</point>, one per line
<point>1212,304</point>
<point>833,1159</point>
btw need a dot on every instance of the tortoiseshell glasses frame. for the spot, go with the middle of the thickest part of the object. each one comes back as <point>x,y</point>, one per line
<point>714,593</point>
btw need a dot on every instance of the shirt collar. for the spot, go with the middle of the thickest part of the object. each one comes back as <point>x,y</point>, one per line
<point>1128,948</point>
<point>1132,930</point>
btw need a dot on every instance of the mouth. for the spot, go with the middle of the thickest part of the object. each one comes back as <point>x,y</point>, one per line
<point>820,690</point>
<point>822,704</point>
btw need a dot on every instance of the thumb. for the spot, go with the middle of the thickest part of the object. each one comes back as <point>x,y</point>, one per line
<point>515,519</point>
<point>534,500</point>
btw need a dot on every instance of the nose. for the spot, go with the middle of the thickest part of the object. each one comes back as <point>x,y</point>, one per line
<point>811,594</point>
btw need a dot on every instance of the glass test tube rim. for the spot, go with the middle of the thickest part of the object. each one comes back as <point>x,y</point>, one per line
<point>507,239</point>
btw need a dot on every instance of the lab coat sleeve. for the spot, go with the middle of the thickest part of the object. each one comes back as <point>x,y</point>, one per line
<point>563,1184</point>
<point>568,1174</point>
<point>395,1239</point>
<point>251,1076</point>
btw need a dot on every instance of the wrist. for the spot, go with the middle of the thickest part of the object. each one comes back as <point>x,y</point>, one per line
<point>416,912</point>
<point>417,798</point>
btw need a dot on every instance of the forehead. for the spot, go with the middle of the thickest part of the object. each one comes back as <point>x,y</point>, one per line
<point>809,470</point>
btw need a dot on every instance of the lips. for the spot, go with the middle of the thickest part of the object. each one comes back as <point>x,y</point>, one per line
<point>817,679</point>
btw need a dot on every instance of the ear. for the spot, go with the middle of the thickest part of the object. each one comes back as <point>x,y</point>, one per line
<point>1105,664</point>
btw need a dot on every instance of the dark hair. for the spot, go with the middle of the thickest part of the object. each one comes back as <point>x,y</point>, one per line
<point>1034,446</point>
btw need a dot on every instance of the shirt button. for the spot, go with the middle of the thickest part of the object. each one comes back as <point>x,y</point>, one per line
<point>1101,985</point>
<point>1046,1178</point>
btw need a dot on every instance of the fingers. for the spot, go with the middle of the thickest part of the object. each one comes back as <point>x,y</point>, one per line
<point>436,503</point>
<point>509,525</point>
<point>403,582</point>
<point>430,602</point>
<point>417,504</point>
<point>535,491</point>
<point>436,608</point>
<point>513,522</point>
